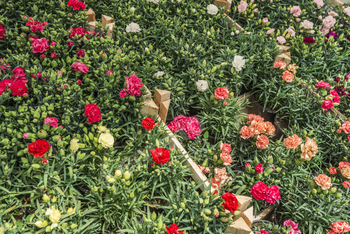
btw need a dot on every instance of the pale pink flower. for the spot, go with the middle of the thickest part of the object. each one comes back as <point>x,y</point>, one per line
<point>290,32</point>
<point>320,17</point>
<point>319,3</point>
<point>265,20</point>
<point>329,21</point>
<point>324,31</point>
<point>295,11</point>
<point>281,40</point>
<point>270,31</point>
<point>298,20</point>
<point>59,73</point>
<point>307,24</point>
<point>52,121</point>
<point>256,10</point>
<point>242,7</point>
<point>332,13</point>
<point>347,11</point>
<point>312,31</point>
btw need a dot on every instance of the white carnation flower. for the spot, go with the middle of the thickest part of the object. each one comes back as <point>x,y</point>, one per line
<point>238,62</point>
<point>133,27</point>
<point>212,9</point>
<point>159,74</point>
<point>48,211</point>
<point>53,225</point>
<point>106,140</point>
<point>133,8</point>
<point>74,145</point>
<point>202,85</point>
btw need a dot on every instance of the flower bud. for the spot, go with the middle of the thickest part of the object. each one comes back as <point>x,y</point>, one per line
<point>312,184</point>
<point>333,190</point>
<point>70,210</point>
<point>41,224</point>
<point>36,166</point>
<point>154,216</point>
<point>46,198</point>
<point>314,192</point>
<point>127,175</point>
<point>215,158</point>
<point>338,195</point>
<point>110,179</point>
<point>207,211</point>
<point>42,134</point>
<point>73,226</point>
<point>160,222</point>
<point>118,174</point>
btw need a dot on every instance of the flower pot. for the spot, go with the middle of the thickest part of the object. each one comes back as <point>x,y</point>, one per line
<point>279,125</point>
<point>264,109</point>
<point>258,109</point>
<point>260,223</point>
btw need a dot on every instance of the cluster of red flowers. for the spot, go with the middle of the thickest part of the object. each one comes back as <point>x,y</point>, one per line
<point>76,4</point>
<point>40,45</point>
<point>78,31</point>
<point>16,84</point>
<point>148,123</point>
<point>160,155</point>
<point>332,99</point>
<point>260,191</point>
<point>258,127</point>
<point>2,32</point>
<point>288,74</point>
<point>189,124</point>
<point>92,112</point>
<point>36,25</point>
<point>133,87</point>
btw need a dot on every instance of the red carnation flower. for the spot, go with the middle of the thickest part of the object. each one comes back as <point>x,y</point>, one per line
<point>160,155</point>
<point>44,160</point>
<point>18,88</point>
<point>173,229</point>
<point>259,168</point>
<point>327,104</point>
<point>36,25</point>
<point>221,93</point>
<point>273,194</point>
<point>81,54</point>
<point>4,85</point>
<point>40,45</point>
<point>19,75</point>
<point>38,148</point>
<point>92,112</point>
<point>231,203</point>
<point>259,191</point>
<point>2,32</point>
<point>346,184</point>
<point>53,55</point>
<point>308,40</point>
<point>148,123</point>
<point>76,4</point>
<point>78,31</point>
<point>332,170</point>
<point>80,67</point>
<point>322,85</point>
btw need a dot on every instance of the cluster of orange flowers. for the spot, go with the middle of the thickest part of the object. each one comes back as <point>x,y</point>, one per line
<point>220,178</point>
<point>308,149</point>
<point>288,74</point>
<point>258,128</point>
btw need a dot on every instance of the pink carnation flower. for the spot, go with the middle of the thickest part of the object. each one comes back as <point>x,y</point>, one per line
<point>319,3</point>
<point>52,121</point>
<point>322,85</point>
<point>242,6</point>
<point>327,104</point>
<point>329,22</point>
<point>133,85</point>
<point>25,135</point>
<point>307,24</point>
<point>265,20</point>
<point>40,45</point>
<point>123,93</point>
<point>281,40</point>
<point>270,31</point>
<point>36,25</point>
<point>81,67</point>
<point>295,11</point>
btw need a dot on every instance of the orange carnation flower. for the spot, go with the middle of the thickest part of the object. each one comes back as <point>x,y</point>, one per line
<point>288,76</point>
<point>262,142</point>
<point>292,142</point>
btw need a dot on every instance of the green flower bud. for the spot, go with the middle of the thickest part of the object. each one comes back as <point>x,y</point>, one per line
<point>154,216</point>
<point>314,192</point>
<point>73,226</point>
<point>42,134</point>
<point>127,175</point>
<point>207,211</point>
<point>41,224</point>
<point>118,174</point>
<point>160,222</point>
<point>333,190</point>
<point>46,198</point>
<point>338,195</point>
